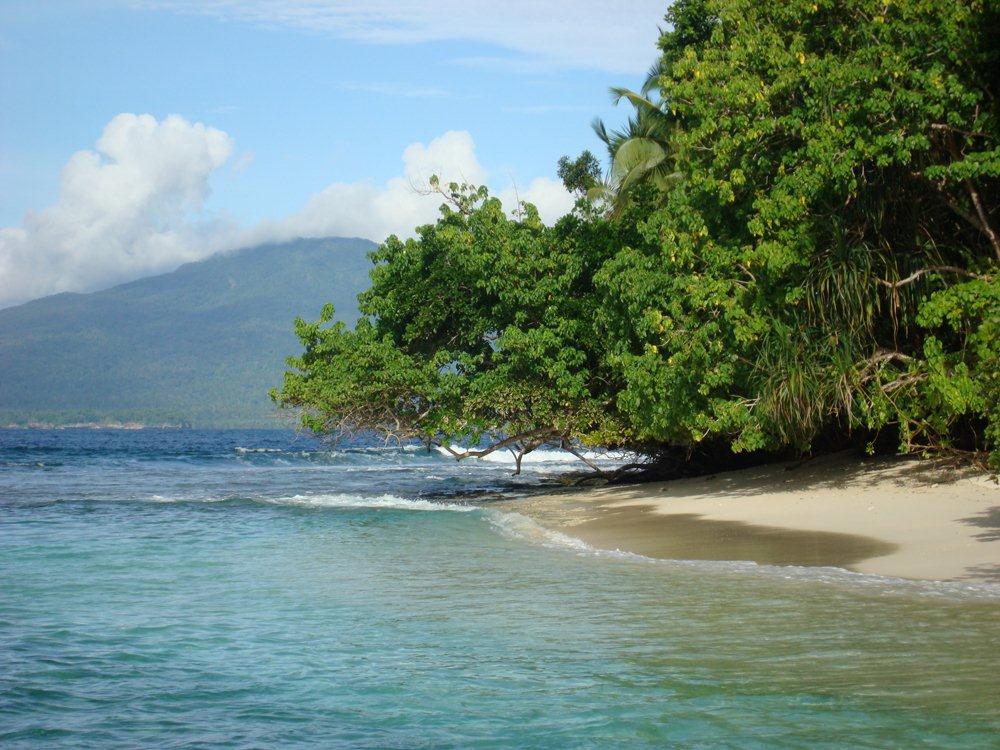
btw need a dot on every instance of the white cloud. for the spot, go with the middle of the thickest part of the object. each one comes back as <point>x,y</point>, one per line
<point>363,209</point>
<point>549,196</point>
<point>131,207</point>
<point>613,35</point>
<point>243,162</point>
<point>134,206</point>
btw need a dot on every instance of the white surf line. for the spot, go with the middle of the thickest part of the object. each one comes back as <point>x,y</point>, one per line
<point>515,525</point>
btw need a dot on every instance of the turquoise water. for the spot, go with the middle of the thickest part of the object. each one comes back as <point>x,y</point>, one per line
<point>250,589</point>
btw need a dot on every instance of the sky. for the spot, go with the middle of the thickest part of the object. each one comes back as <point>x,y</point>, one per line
<point>136,135</point>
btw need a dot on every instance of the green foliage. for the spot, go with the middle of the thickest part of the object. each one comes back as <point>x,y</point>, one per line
<point>640,152</point>
<point>963,379</point>
<point>839,178</point>
<point>800,244</point>
<point>481,326</point>
<point>581,174</point>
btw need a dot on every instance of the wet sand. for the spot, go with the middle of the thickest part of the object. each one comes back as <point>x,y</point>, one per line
<point>897,517</point>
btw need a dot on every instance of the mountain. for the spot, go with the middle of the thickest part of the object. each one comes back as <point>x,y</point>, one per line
<point>200,346</point>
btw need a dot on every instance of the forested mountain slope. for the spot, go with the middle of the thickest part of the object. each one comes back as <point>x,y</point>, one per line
<point>201,345</point>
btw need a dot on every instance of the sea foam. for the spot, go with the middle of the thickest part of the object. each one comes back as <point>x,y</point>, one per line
<point>393,502</point>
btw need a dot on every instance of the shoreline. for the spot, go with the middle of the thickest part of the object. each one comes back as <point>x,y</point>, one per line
<point>896,517</point>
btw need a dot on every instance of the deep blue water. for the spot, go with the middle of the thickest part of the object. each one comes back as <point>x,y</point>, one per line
<point>254,589</point>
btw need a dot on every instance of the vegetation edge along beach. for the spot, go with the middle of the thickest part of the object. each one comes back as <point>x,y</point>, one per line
<point>696,446</point>
<point>792,251</point>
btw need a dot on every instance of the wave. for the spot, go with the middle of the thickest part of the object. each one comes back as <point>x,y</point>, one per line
<point>328,500</point>
<point>516,526</point>
<point>513,525</point>
<point>358,456</point>
<point>362,450</point>
<point>29,464</point>
<point>548,455</point>
<point>394,502</point>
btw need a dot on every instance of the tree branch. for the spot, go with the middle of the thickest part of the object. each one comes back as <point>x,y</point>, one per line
<point>932,269</point>
<point>566,446</point>
<point>460,455</point>
<point>905,380</point>
<point>971,189</point>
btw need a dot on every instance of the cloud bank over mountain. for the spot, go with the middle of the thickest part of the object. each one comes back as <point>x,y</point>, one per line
<point>365,209</point>
<point>131,206</point>
<point>135,205</point>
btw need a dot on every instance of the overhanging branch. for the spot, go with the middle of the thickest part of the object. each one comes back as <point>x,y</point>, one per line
<point>933,269</point>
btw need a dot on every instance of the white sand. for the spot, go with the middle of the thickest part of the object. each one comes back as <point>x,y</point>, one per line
<point>944,523</point>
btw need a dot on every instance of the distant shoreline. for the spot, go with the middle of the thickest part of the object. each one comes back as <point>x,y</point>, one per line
<point>94,426</point>
<point>900,517</point>
<point>139,426</point>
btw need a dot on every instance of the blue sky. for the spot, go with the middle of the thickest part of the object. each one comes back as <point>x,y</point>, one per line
<point>306,93</point>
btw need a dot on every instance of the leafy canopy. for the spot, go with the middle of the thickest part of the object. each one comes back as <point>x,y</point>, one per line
<point>481,326</point>
<point>797,245</point>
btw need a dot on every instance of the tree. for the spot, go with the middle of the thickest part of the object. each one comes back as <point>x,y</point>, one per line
<point>802,251</point>
<point>640,151</point>
<point>478,336</point>
<point>828,260</point>
<point>579,175</point>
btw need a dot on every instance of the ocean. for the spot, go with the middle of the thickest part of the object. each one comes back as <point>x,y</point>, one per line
<point>258,589</point>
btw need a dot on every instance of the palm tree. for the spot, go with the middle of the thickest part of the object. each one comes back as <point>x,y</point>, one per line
<point>639,151</point>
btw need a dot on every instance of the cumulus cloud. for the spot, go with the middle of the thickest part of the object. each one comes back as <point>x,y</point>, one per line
<point>613,35</point>
<point>549,196</point>
<point>130,207</point>
<point>364,209</point>
<point>134,206</point>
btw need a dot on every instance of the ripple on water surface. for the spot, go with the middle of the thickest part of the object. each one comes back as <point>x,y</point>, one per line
<point>245,608</point>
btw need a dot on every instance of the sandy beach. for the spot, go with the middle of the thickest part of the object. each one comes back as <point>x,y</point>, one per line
<point>896,517</point>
